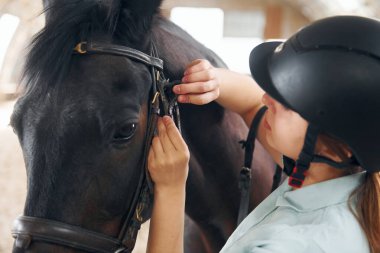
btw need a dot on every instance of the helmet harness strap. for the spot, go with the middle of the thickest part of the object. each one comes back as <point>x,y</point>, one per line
<point>306,156</point>
<point>297,170</point>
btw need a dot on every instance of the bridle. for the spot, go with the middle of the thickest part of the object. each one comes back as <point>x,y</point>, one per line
<point>27,229</point>
<point>163,101</point>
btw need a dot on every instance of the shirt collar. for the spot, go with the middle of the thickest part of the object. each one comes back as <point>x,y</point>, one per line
<point>321,194</point>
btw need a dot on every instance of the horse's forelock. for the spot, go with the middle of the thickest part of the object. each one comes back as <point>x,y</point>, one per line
<point>142,7</point>
<point>124,21</point>
<point>50,52</point>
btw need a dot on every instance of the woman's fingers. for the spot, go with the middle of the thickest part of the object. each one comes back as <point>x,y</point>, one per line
<point>200,84</point>
<point>198,93</point>
<point>196,87</point>
<point>197,65</point>
<point>174,134</point>
<point>151,156</point>
<point>157,146</point>
<point>169,137</point>
<point>200,76</point>
<point>167,144</point>
<point>168,159</point>
<point>201,99</point>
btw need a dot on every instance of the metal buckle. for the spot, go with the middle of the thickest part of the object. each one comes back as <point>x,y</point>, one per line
<point>23,241</point>
<point>139,210</point>
<point>155,97</point>
<point>158,75</point>
<point>245,171</point>
<point>296,182</point>
<point>245,178</point>
<point>120,250</point>
<point>81,48</point>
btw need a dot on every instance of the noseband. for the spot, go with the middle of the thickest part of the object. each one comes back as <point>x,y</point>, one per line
<point>27,229</point>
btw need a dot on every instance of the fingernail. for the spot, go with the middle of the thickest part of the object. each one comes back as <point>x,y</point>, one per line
<point>167,120</point>
<point>177,89</point>
<point>184,79</point>
<point>161,126</point>
<point>181,99</point>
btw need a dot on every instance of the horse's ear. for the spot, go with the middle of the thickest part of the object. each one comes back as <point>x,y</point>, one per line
<point>142,7</point>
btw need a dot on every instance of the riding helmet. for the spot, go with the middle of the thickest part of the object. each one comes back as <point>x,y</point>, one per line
<point>329,73</point>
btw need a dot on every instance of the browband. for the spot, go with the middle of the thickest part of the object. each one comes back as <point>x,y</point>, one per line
<point>96,47</point>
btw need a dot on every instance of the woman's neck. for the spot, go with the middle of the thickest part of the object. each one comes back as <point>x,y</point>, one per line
<point>319,172</point>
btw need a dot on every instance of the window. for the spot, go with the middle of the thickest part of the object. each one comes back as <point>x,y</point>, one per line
<point>244,24</point>
<point>8,26</point>
<point>231,35</point>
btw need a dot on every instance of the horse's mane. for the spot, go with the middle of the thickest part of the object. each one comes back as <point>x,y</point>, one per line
<point>51,50</point>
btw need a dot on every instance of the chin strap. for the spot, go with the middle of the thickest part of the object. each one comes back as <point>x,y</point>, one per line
<point>298,173</point>
<point>339,165</point>
<point>296,170</point>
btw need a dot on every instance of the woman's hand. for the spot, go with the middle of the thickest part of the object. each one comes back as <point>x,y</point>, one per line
<point>168,159</point>
<point>168,164</point>
<point>200,83</point>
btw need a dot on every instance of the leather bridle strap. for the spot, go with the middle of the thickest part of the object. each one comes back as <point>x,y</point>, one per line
<point>28,229</point>
<point>92,47</point>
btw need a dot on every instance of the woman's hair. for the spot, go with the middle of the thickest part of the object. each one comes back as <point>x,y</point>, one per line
<point>334,147</point>
<point>366,197</point>
<point>367,210</point>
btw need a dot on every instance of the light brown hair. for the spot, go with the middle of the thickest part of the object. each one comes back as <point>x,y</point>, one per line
<point>366,197</point>
<point>367,210</point>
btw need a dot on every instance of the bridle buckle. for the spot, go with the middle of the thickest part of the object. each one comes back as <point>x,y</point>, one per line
<point>121,250</point>
<point>81,48</point>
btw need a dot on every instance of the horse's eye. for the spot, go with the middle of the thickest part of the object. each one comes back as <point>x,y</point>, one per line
<point>125,133</point>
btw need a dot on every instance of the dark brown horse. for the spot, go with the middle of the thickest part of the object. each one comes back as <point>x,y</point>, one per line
<point>82,123</point>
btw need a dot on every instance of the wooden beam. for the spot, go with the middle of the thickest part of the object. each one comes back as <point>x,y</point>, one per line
<point>274,20</point>
<point>223,4</point>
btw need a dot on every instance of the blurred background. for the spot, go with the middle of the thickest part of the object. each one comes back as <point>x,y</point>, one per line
<point>230,27</point>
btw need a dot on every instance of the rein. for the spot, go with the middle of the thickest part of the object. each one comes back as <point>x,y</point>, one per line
<point>163,101</point>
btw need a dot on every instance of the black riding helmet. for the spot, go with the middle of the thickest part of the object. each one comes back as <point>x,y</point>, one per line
<point>328,72</point>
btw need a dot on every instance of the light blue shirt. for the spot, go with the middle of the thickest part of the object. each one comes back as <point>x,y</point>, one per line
<point>312,219</point>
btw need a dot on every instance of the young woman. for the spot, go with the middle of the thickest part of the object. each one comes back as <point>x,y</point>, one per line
<point>322,125</point>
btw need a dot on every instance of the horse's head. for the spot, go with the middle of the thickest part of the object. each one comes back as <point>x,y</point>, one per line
<point>82,121</point>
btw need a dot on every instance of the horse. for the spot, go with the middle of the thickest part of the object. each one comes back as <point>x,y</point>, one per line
<point>83,120</point>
